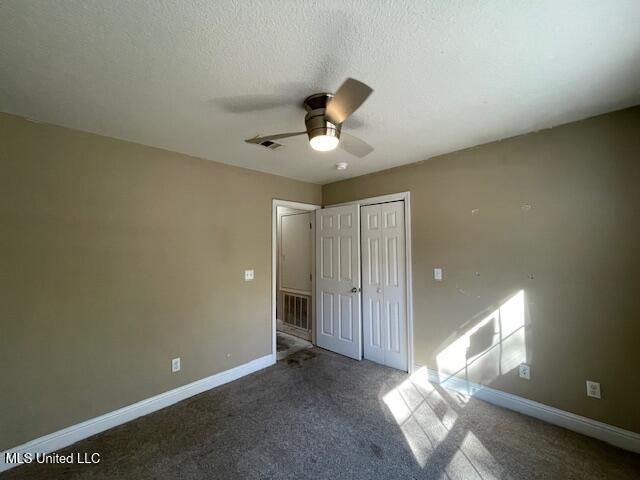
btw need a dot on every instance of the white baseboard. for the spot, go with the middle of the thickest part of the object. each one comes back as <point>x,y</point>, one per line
<point>67,436</point>
<point>586,426</point>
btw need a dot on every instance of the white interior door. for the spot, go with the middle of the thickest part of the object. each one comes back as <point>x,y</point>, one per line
<point>384,284</point>
<point>338,280</point>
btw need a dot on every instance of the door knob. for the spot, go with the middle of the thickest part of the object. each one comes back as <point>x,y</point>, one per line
<point>355,290</point>
<point>379,290</point>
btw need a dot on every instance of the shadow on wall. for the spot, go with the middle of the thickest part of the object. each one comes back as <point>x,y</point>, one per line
<point>493,346</point>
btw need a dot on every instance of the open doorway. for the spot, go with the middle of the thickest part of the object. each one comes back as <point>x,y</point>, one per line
<point>293,277</point>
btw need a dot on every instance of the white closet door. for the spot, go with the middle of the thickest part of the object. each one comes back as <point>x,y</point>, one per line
<point>384,284</point>
<point>372,299</point>
<point>338,280</point>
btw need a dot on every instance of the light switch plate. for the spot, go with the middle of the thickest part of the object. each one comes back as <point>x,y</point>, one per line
<point>175,365</point>
<point>437,274</point>
<point>593,389</point>
<point>248,275</point>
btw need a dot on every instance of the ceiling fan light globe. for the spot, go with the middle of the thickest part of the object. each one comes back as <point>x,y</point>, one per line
<point>324,143</point>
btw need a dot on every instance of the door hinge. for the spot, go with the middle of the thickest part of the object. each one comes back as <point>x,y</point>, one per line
<point>310,226</point>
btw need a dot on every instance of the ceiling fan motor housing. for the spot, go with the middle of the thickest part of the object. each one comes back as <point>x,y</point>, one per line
<point>316,120</point>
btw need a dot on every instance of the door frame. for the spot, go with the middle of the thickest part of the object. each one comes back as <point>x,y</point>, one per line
<point>274,268</point>
<point>406,198</point>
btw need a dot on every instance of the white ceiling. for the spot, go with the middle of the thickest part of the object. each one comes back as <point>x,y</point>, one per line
<point>199,76</point>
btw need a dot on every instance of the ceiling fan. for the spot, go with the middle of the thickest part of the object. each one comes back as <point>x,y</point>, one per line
<point>326,112</point>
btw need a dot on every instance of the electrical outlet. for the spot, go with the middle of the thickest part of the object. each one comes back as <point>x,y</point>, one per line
<point>593,389</point>
<point>437,274</point>
<point>248,275</point>
<point>175,365</point>
<point>525,371</point>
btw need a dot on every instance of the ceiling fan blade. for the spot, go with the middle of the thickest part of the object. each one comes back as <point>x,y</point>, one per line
<point>285,95</point>
<point>355,146</point>
<point>257,139</point>
<point>253,103</point>
<point>351,94</point>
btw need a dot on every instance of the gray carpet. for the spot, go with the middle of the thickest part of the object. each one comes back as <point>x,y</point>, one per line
<point>319,415</point>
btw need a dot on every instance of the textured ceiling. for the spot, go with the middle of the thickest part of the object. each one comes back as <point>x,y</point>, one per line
<point>200,76</point>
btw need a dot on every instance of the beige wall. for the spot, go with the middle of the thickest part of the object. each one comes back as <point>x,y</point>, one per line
<point>580,240</point>
<point>116,258</point>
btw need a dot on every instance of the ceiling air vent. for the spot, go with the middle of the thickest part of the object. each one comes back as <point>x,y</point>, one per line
<point>270,144</point>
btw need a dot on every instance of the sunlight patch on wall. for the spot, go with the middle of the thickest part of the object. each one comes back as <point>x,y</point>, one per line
<point>492,347</point>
